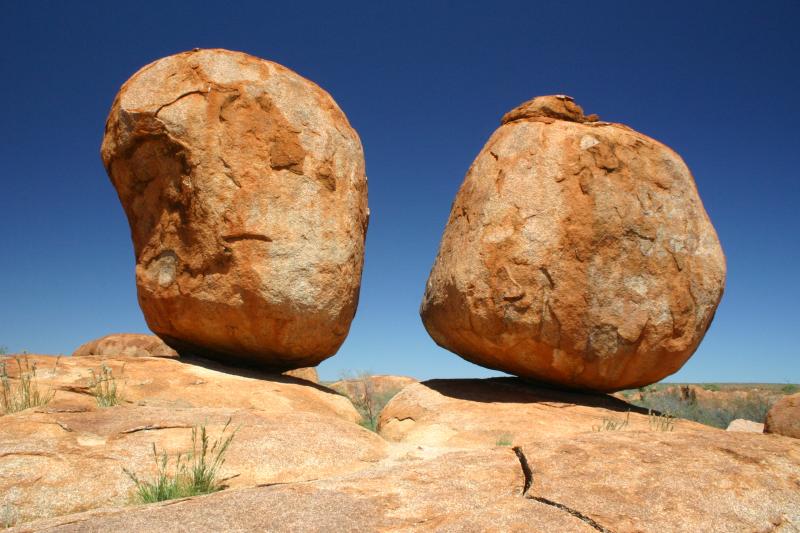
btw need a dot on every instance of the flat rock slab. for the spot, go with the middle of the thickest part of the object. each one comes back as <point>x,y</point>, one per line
<point>665,482</point>
<point>160,382</point>
<point>461,491</point>
<point>483,413</point>
<point>69,455</point>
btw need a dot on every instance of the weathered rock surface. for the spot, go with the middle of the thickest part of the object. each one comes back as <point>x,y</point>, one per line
<point>463,491</point>
<point>126,344</point>
<point>784,417</point>
<point>619,481</point>
<point>577,253</point>
<point>245,191</point>
<point>68,456</point>
<point>746,426</point>
<point>481,413</point>
<point>308,374</point>
<point>632,481</point>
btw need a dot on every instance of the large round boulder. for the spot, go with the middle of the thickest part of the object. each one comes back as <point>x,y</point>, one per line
<point>577,253</point>
<point>245,191</point>
<point>783,418</point>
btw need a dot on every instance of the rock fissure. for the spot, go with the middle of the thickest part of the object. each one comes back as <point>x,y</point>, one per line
<point>573,512</point>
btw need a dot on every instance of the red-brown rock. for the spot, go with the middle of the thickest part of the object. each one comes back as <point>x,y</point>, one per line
<point>126,344</point>
<point>245,191</point>
<point>577,253</point>
<point>784,417</point>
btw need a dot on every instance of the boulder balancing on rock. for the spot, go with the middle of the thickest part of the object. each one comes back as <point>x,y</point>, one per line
<point>126,344</point>
<point>245,191</point>
<point>577,253</point>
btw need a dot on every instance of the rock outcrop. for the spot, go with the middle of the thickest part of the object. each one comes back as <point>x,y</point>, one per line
<point>577,253</point>
<point>560,475</point>
<point>245,191</point>
<point>745,426</point>
<point>126,344</point>
<point>484,413</point>
<point>68,455</point>
<point>784,417</point>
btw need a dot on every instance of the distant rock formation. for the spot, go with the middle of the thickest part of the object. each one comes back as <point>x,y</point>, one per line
<point>577,253</point>
<point>783,417</point>
<point>126,344</point>
<point>245,191</point>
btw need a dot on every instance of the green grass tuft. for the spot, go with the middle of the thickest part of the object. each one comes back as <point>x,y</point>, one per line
<point>23,392</point>
<point>103,386</point>
<point>195,473</point>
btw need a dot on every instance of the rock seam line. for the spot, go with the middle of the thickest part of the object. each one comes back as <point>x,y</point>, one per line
<point>527,471</point>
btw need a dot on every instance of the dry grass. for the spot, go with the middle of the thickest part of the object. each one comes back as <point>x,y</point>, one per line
<point>195,473</point>
<point>22,392</point>
<point>103,386</point>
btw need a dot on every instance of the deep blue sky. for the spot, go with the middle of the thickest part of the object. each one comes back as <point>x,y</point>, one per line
<point>424,84</point>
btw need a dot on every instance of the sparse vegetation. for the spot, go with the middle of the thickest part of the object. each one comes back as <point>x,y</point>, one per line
<point>789,388</point>
<point>717,410</point>
<point>660,422</point>
<point>713,387</point>
<point>23,392</point>
<point>367,399</point>
<point>504,440</point>
<point>613,424</point>
<point>103,386</point>
<point>194,473</point>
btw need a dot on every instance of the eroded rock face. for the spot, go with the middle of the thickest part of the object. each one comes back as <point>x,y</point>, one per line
<point>126,344</point>
<point>577,253</point>
<point>245,191</point>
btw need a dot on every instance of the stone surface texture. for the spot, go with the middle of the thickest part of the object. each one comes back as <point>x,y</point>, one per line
<point>577,253</point>
<point>480,413</point>
<point>746,426</point>
<point>784,417</point>
<point>68,456</point>
<point>126,344</point>
<point>246,194</point>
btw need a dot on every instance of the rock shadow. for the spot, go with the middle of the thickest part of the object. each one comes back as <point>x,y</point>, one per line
<point>252,372</point>
<point>516,390</point>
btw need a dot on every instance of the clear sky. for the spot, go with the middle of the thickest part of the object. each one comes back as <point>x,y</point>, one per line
<point>424,84</point>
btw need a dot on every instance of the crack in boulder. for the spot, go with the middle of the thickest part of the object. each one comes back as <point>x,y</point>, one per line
<point>527,471</point>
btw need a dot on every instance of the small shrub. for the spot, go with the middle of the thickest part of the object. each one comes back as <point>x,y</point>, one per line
<point>504,440</point>
<point>613,424</point>
<point>713,387</point>
<point>368,401</point>
<point>22,393</point>
<point>660,422</point>
<point>195,473</point>
<point>789,388</point>
<point>103,386</point>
